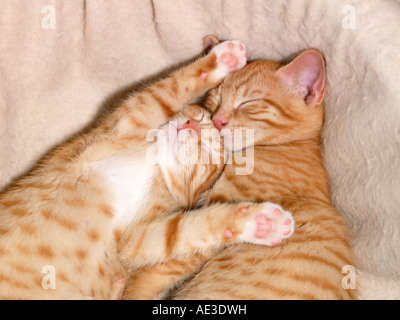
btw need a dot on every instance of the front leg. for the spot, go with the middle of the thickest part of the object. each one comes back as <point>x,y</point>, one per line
<point>183,234</point>
<point>155,105</point>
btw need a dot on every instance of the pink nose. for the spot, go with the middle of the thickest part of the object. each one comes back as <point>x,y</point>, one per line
<point>220,123</point>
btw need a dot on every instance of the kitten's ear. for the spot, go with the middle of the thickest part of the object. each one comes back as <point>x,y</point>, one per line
<point>306,76</point>
<point>210,42</point>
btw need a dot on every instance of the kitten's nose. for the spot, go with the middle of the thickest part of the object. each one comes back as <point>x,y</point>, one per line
<point>220,123</point>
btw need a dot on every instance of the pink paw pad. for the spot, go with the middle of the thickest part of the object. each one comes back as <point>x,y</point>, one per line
<point>204,76</point>
<point>277,212</point>
<point>263,226</point>
<point>269,226</point>
<point>243,210</point>
<point>230,60</point>
<point>228,233</point>
<point>231,56</point>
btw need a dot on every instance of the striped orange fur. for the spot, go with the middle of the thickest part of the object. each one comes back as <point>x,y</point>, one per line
<point>288,170</point>
<point>284,108</point>
<point>61,224</point>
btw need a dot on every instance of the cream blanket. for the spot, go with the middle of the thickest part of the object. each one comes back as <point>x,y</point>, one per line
<point>61,62</point>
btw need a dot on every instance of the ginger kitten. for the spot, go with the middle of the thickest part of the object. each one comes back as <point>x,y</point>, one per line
<point>283,106</point>
<point>60,226</point>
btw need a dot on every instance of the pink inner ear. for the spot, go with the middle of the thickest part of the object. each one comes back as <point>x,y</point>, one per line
<point>306,76</point>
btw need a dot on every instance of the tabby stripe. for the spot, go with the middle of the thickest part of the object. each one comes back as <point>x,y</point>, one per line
<point>310,258</point>
<point>13,283</point>
<point>172,271</point>
<point>160,85</point>
<point>76,202</point>
<point>315,238</point>
<point>219,198</point>
<point>19,212</point>
<point>298,170</point>
<point>321,220</point>
<point>223,258</point>
<point>319,201</point>
<point>273,123</point>
<point>255,111</point>
<point>107,210</point>
<point>277,190</point>
<point>27,229</point>
<point>224,290</point>
<point>23,249</point>
<point>331,230</point>
<point>93,235</point>
<point>205,184</point>
<point>258,178</point>
<point>333,239</point>
<point>101,271</point>
<point>174,86</point>
<point>180,187</point>
<point>45,251</point>
<point>264,286</point>
<point>233,295</point>
<point>155,210</point>
<point>62,277</point>
<point>339,256</point>
<point>241,187</point>
<point>254,260</point>
<point>283,292</point>
<point>280,108</point>
<point>117,235</point>
<point>316,281</point>
<point>4,231</point>
<point>189,186</point>
<point>22,269</point>
<point>136,123</point>
<point>166,108</point>
<point>245,79</point>
<point>138,244</point>
<point>172,234</point>
<point>11,202</point>
<point>353,294</point>
<point>227,266</point>
<point>66,224</point>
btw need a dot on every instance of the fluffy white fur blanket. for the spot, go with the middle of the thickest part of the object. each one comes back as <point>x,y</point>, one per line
<point>63,61</point>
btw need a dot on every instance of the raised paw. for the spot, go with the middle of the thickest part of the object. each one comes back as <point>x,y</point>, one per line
<point>268,225</point>
<point>231,56</point>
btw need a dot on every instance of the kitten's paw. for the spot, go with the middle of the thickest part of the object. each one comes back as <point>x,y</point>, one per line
<point>268,225</point>
<point>231,56</point>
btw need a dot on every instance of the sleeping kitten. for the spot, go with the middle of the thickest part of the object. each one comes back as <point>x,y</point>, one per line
<point>61,224</point>
<point>283,104</point>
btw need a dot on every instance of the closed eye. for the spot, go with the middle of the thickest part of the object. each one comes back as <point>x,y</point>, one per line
<point>246,103</point>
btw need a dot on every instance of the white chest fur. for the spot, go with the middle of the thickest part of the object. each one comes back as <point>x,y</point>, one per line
<point>129,180</point>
